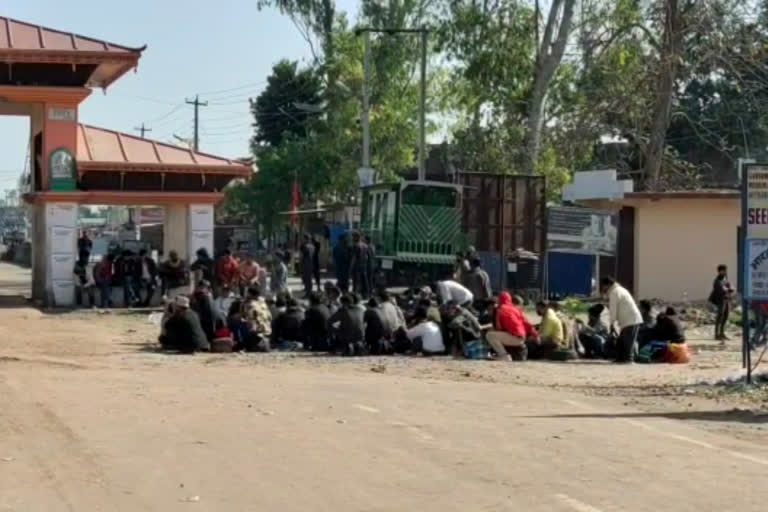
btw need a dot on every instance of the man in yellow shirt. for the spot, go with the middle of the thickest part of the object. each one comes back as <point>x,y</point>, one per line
<point>551,334</point>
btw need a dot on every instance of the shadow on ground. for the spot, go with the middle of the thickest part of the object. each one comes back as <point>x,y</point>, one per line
<point>732,415</point>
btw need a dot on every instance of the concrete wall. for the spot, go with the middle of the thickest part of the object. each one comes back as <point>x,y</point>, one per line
<point>680,242</point>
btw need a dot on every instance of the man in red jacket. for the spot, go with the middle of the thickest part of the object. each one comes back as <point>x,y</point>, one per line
<point>228,270</point>
<point>511,328</point>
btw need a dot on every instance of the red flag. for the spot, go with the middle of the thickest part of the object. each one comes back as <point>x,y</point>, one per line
<point>295,200</point>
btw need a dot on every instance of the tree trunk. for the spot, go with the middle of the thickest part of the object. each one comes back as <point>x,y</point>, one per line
<point>549,56</point>
<point>662,111</point>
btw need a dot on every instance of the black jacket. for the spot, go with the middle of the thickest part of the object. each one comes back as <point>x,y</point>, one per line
<point>669,328</point>
<point>184,333</point>
<point>138,268</point>
<point>720,290</point>
<point>375,326</point>
<point>315,327</point>
<point>288,325</point>
<point>174,275</point>
<point>205,264</point>
<point>350,327</point>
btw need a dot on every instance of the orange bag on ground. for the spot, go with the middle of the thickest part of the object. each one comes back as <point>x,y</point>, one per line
<point>677,353</point>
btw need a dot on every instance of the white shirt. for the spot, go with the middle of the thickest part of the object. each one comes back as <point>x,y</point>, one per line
<point>453,291</point>
<point>623,308</point>
<point>431,337</point>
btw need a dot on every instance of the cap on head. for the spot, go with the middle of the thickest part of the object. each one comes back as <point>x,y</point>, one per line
<point>181,302</point>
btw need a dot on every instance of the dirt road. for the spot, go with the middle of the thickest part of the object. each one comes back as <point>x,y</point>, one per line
<point>90,420</point>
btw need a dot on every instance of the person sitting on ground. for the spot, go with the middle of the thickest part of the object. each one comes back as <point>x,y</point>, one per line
<point>237,326</point>
<point>425,336</point>
<point>433,312</point>
<point>202,303</point>
<point>377,334</point>
<point>259,319</point>
<point>551,337</point>
<point>464,333</point>
<point>669,328</point>
<point>511,329</point>
<point>649,322</point>
<point>348,327</point>
<point>450,290</point>
<point>224,300</point>
<point>315,326</point>
<point>568,330</point>
<point>393,315</point>
<point>594,334</point>
<point>478,283</point>
<point>667,340</point>
<point>332,297</point>
<point>287,331</point>
<point>278,305</point>
<point>182,330</point>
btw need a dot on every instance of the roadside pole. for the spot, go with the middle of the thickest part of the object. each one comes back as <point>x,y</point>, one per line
<point>754,246</point>
<point>745,352</point>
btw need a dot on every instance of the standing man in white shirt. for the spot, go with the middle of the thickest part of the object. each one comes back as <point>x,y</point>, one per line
<point>625,312</point>
<point>450,290</point>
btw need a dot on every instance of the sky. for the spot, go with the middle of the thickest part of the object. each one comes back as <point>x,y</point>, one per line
<point>222,50</point>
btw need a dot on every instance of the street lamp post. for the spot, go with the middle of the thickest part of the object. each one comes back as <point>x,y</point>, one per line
<point>365,121</point>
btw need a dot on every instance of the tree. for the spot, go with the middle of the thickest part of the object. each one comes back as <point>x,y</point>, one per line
<point>277,110</point>
<point>549,55</point>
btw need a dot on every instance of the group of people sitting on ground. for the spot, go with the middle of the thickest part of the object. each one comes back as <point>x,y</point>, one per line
<point>443,319</point>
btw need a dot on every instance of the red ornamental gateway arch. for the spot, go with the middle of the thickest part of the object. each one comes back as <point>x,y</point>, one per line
<point>45,74</point>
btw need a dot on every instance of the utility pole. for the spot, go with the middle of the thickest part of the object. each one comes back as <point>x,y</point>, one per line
<point>142,129</point>
<point>197,103</point>
<point>365,117</point>
<point>423,108</point>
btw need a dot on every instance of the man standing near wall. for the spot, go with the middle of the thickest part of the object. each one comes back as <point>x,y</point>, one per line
<point>720,297</point>
<point>624,311</point>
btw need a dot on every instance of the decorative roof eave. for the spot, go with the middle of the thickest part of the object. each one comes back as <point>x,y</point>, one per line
<point>229,170</point>
<point>39,94</point>
<point>23,55</point>
<point>128,59</point>
<point>130,198</point>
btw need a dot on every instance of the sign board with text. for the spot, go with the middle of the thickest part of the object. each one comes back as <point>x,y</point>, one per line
<point>756,269</point>
<point>757,201</point>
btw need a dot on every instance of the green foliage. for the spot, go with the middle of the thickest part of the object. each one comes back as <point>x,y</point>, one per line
<point>483,63</point>
<point>275,110</point>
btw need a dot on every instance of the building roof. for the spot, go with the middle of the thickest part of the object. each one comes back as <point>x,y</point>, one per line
<point>705,193</point>
<point>100,149</point>
<point>22,42</point>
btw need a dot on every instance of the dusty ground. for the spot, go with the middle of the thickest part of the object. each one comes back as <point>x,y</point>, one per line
<point>92,419</point>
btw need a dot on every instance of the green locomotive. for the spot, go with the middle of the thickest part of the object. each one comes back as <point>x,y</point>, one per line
<point>415,227</point>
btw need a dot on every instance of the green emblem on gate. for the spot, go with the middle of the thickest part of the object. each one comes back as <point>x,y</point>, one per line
<point>61,165</point>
